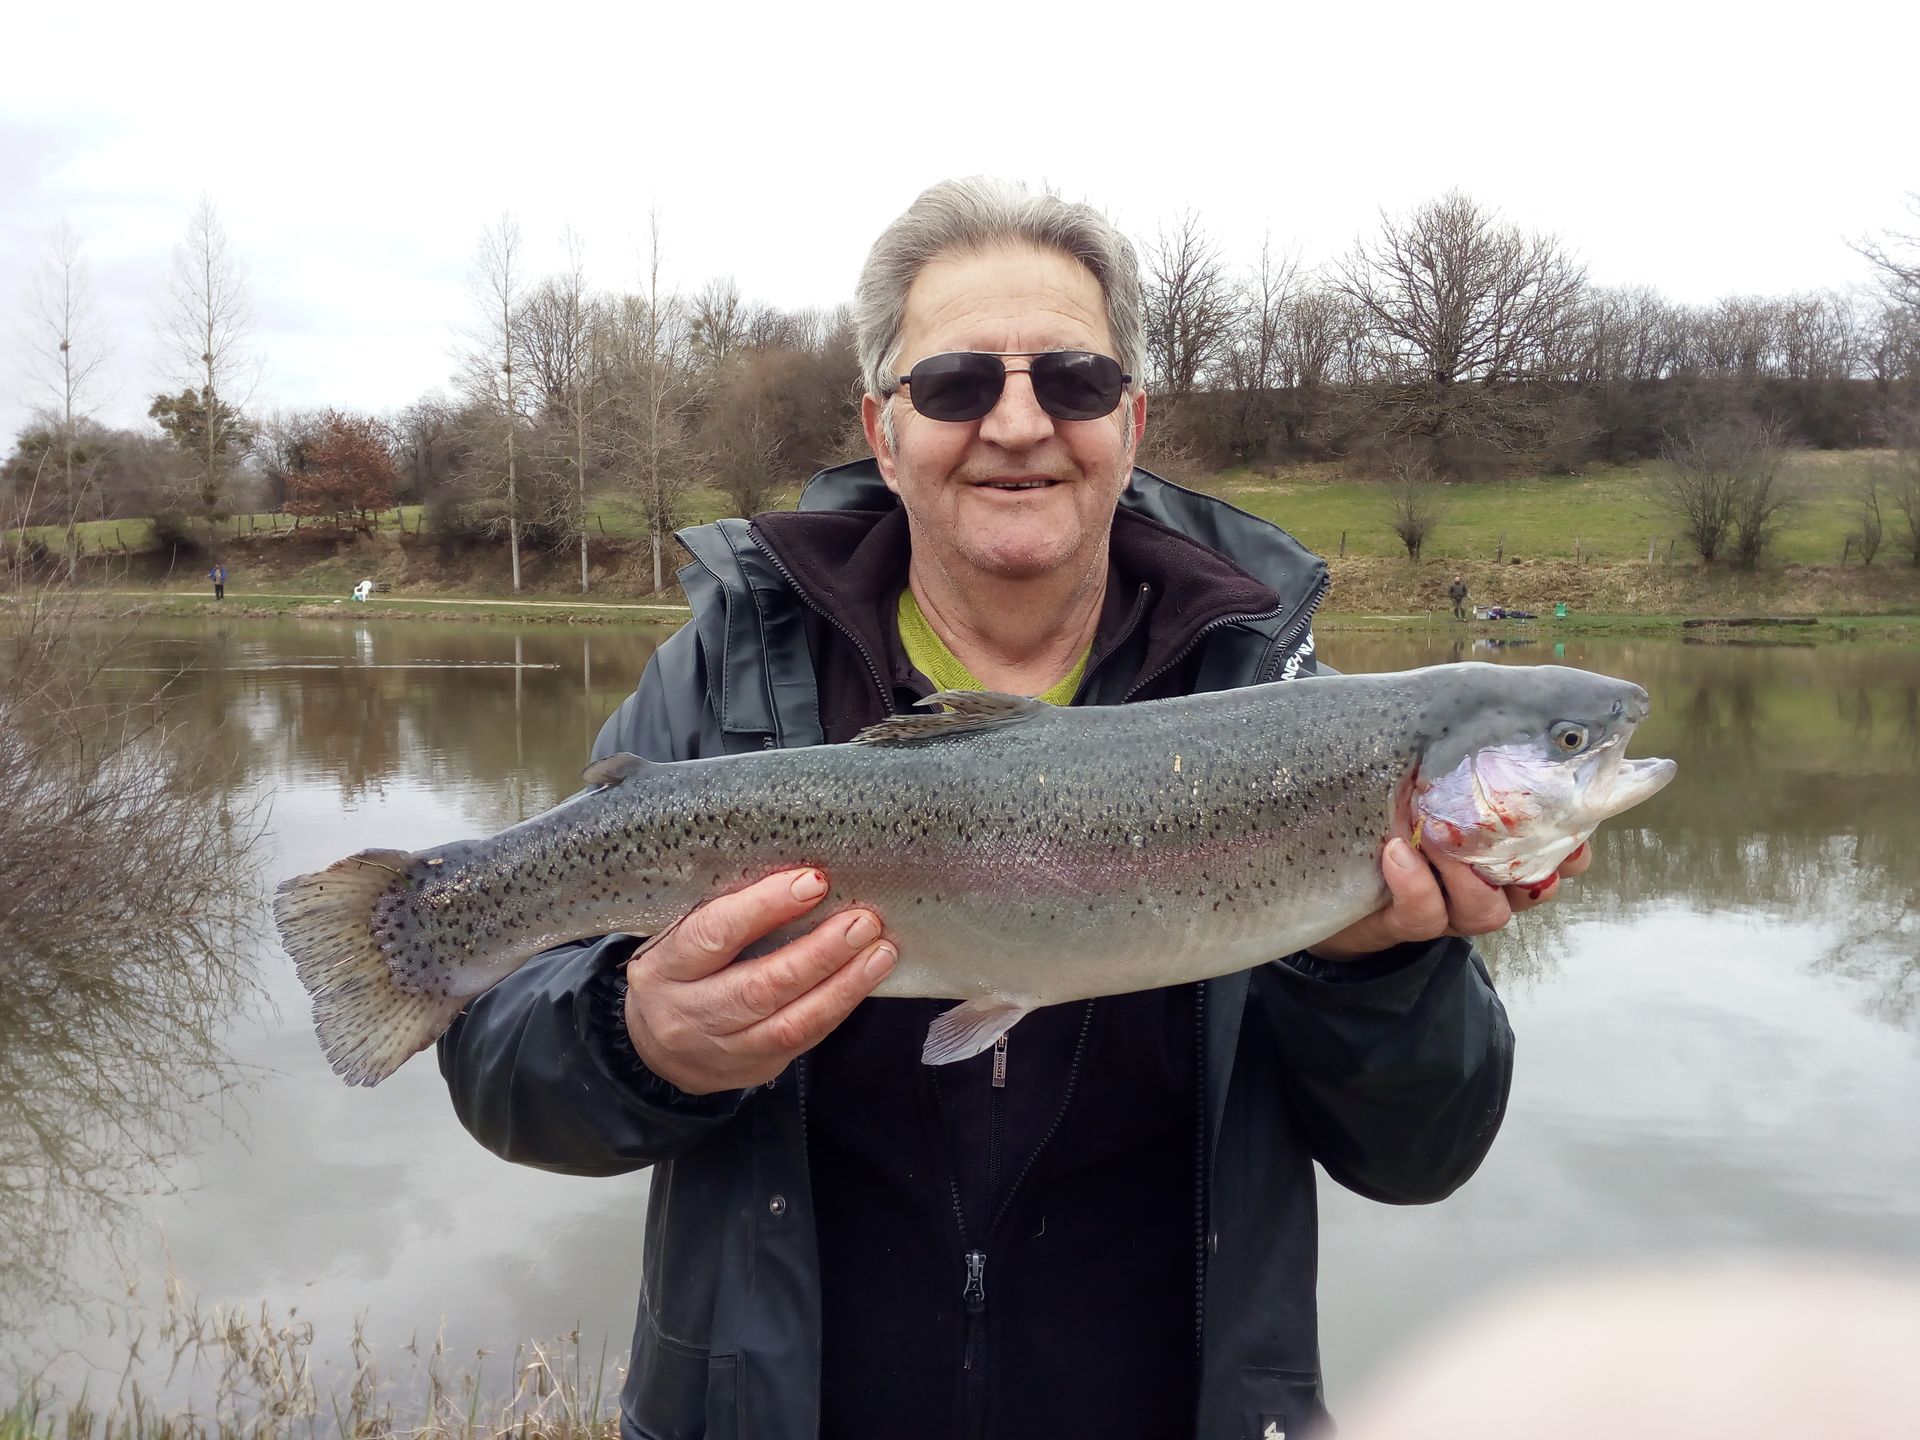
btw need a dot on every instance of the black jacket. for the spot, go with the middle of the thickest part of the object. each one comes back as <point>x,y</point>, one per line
<point>1392,1072</point>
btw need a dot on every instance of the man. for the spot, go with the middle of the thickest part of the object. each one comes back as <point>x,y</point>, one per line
<point>218,574</point>
<point>1106,1226</point>
<point>1457,592</point>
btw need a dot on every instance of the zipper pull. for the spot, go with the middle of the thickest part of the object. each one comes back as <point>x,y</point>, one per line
<point>1000,1063</point>
<point>975,1295</point>
<point>974,1300</point>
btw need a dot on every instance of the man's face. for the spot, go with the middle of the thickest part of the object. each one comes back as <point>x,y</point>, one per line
<point>955,478</point>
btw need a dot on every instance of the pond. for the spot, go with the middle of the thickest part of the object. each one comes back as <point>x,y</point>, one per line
<point>1719,1027</point>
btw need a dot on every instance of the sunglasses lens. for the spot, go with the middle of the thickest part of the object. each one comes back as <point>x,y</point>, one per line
<point>1076,384</point>
<point>960,386</point>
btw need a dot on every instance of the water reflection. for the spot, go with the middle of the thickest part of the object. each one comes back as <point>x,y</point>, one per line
<point>126,943</point>
<point>1750,927</point>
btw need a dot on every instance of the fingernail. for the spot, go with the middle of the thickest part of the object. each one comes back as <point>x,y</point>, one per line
<point>1578,853</point>
<point>862,932</point>
<point>880,962</point>
<point>1400,855</point>
<point>810,886</point>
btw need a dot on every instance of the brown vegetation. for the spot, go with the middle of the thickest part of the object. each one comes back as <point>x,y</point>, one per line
<point>122,905</point>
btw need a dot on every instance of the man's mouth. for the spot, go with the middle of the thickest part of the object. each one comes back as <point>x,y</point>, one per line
<point>1027,482</point>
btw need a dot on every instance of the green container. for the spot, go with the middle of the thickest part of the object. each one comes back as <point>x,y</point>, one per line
<point>1559,609</point>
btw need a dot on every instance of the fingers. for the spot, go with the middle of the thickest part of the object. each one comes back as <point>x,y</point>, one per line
<point>1577,863</point>
<point>808,1020</point>
<point>704,1020</point>
<point>1418,910</point>
<point>708,938</point>
<point>1473,906</point>
<point>756,989</point>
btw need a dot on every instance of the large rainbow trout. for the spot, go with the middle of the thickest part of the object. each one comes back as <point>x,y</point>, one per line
<point>1019,855</point>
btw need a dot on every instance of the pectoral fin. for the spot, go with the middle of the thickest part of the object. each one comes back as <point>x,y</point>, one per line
<point>966,1030</point>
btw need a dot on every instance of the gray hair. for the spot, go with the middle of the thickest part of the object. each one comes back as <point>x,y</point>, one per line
<point>972,215</point>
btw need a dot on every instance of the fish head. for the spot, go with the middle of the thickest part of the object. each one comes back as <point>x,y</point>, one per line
<point>1521,764</point>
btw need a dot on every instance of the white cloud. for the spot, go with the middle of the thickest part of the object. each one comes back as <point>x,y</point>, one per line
<point>356,152</point>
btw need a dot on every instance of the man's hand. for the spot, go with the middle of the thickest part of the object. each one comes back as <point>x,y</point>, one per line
<point>1435,896</point>
<point>704,1023</point>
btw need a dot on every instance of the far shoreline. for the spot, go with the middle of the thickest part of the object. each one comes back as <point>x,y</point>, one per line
<point>1795,629</point>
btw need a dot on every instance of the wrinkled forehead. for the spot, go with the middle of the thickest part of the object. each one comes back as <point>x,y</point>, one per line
<point>1006,297</point>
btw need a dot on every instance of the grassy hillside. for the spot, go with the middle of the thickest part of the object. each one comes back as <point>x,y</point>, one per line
<point>1613,512</point>
<point>1514,540</point>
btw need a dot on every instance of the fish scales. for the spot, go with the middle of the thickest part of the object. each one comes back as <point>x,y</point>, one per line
<point>991,856</point>
<point>1017,855</point>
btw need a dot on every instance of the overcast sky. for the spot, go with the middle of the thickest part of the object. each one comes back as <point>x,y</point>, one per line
<point>355,153</point>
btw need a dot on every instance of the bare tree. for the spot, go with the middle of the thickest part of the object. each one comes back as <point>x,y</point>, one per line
<point>1723,483</point>
<point>126,895</point>
<point>717,322</point>
<point>1461,310</point>
<point>1415,502</point>
<point>562,337</point>
<point>1452,296</point>
<point>66,349</point>
<point>488,374</point>
<point>1896,256</point>
<point>1189,303</point>
<point>1899,475</point>
<point>658,395</point>
<point>1256,362</point>
<point>206,323</point>
<point>1868,499</point>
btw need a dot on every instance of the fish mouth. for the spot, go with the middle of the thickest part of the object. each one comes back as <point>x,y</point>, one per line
<point>1628,782</point>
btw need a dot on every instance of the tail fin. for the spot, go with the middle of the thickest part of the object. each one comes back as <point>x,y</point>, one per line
<point>368,1024</point>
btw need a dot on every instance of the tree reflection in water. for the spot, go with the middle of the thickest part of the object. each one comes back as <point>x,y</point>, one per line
<point>125,943</point>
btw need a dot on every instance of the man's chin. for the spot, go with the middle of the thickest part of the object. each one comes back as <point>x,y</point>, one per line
<point>1020,560</point>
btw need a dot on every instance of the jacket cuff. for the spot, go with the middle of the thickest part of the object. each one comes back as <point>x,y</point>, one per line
<point>603,1030</point>
<point>1366,978</point>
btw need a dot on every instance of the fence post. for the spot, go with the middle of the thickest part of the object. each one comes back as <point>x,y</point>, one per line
<point>1846,550</point>
<point>1500,550</point>
<point>1343,544</point>
<point>1670,551</point>
<point>1652,540</point>
<point>1576,549</point>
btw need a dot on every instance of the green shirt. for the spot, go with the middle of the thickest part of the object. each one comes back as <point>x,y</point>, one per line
<point>930,656</point>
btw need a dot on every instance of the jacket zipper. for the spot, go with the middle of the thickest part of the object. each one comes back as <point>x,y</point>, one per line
<point>1094,662</point>
<point>1295,627</point>
<point>880,688</point>
<point>973,1292</point>
<point>1199,1167</point>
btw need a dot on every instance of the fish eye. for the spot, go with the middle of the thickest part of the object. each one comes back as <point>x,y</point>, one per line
<point>1568,737</point>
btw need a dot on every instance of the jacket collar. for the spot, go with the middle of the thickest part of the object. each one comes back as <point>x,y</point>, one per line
<point>846,549</point>
<point>1254,545</point>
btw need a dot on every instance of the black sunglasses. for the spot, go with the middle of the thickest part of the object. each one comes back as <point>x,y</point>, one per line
<point>966,384</point>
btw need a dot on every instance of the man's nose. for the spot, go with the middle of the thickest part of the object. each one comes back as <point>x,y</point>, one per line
<point>1016,421</point>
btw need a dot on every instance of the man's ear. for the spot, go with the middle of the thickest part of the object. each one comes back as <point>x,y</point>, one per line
<point>1136,422</point>
<point>872,410</point>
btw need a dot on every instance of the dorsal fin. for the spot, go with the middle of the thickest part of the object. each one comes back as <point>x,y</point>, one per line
<point>967,713</point>
<point>614,769</point>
